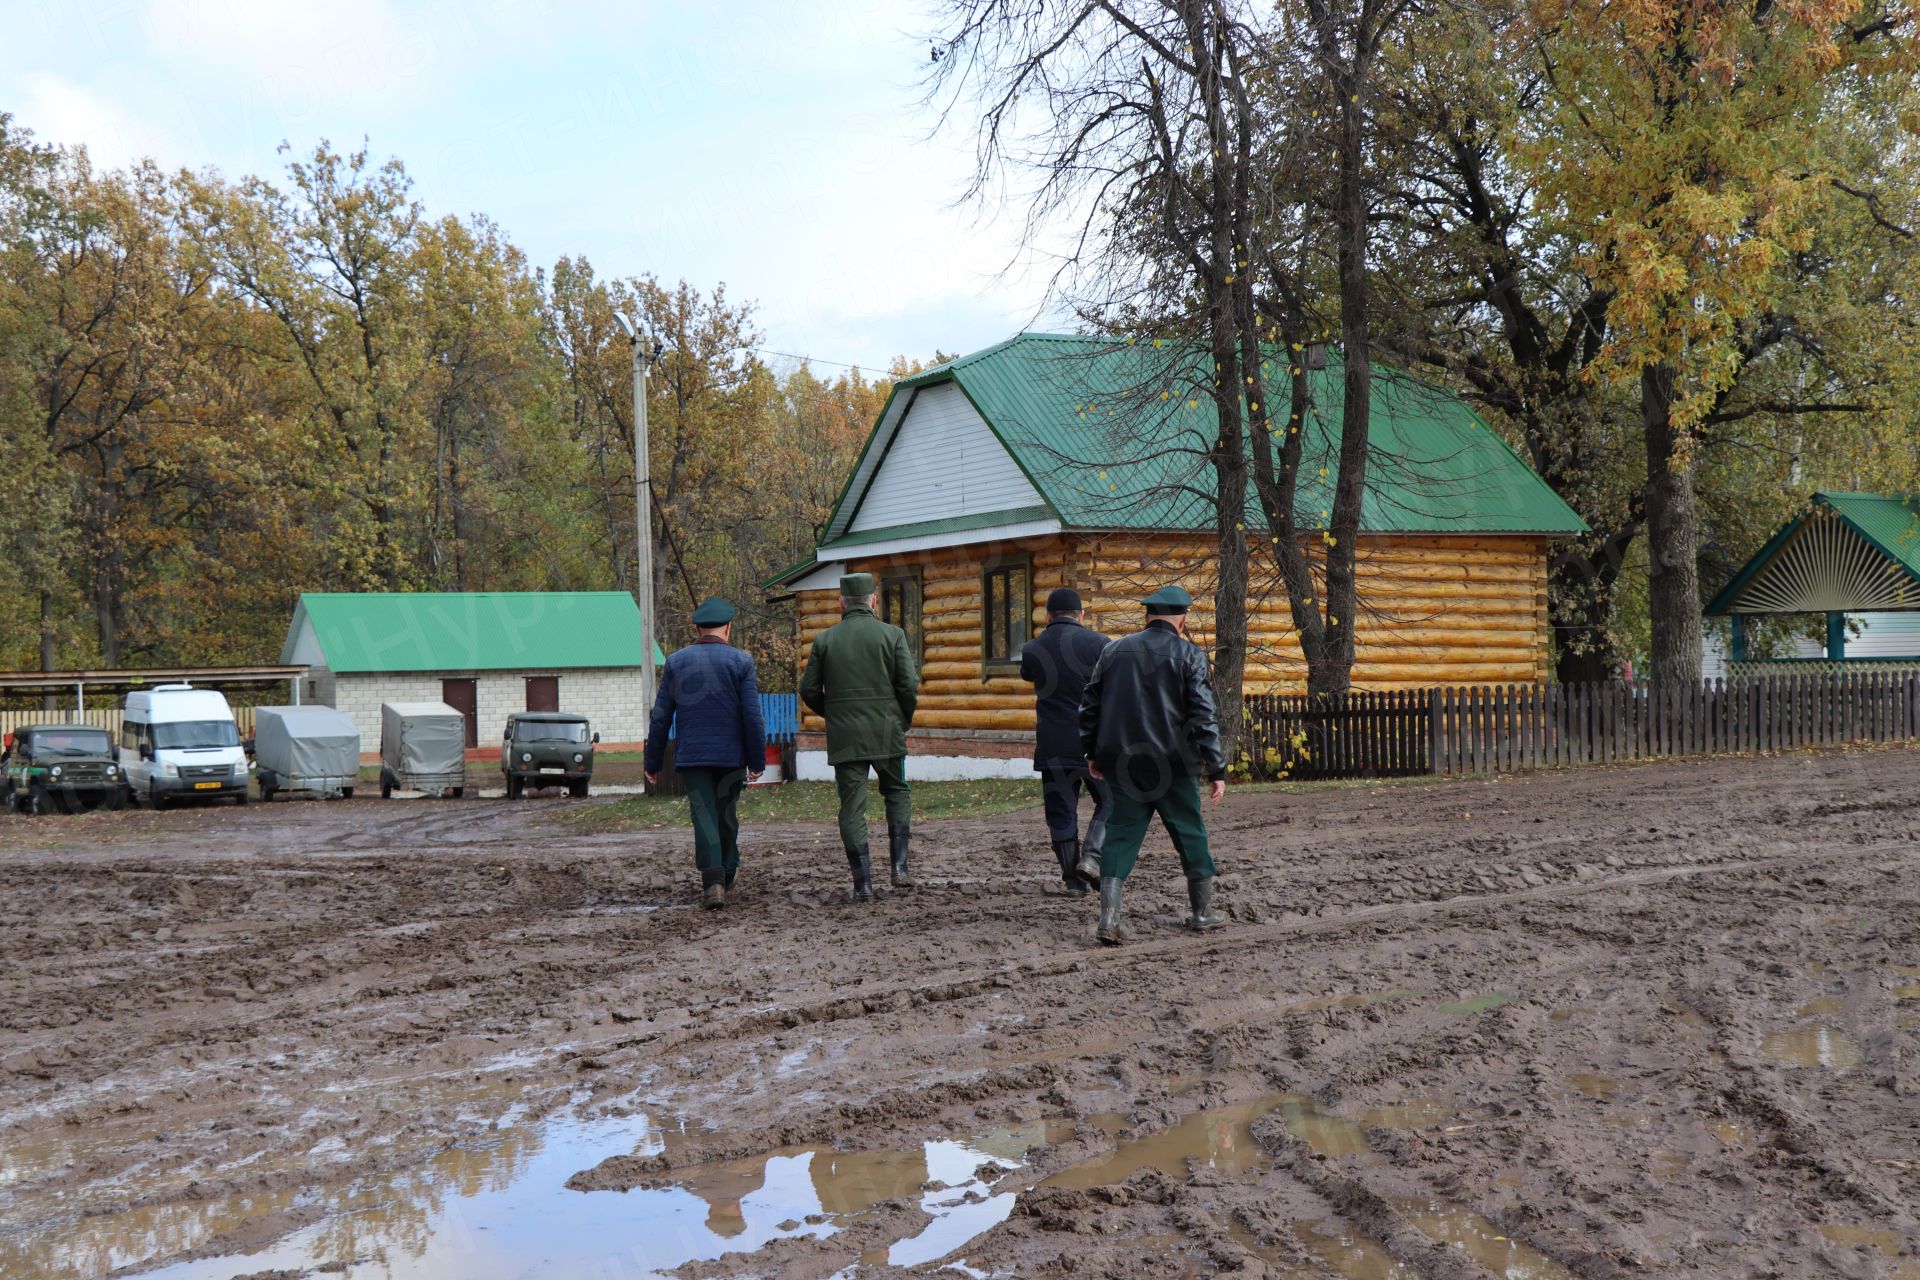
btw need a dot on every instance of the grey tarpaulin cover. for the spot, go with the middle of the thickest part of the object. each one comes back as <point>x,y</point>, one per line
<point>422,738</point>
<point>303,744</point>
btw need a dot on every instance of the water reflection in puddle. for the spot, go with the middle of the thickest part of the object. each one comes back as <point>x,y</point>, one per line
<point>1594,1085</point>
<point>1221,1138</point>
<point>1814,1044</point>
<point>498,1209</point>
<point>1882,1240</point>
<point>1479,1003</point>
<point>1482,1240</point>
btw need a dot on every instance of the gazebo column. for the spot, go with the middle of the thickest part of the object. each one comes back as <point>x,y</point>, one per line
<point>1836,635</point>
<point>1739,622</point>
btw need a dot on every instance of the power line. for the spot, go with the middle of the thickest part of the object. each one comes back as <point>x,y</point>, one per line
<point>838,364</point>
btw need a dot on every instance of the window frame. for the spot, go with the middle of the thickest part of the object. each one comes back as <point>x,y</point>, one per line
<point>917,633</point>
<point>989,569</point>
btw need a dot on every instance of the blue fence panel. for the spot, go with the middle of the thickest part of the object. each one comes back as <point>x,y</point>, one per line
<point>780,711</point>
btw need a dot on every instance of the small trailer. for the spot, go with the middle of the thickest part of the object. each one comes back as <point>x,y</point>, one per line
<point>423,747</point>
<point>307,748</point>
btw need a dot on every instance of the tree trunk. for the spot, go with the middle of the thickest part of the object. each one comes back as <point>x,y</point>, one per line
<point>1230,587</point>
<point>1673,535</point>
<point>1330,669</point>
<point>46,643</point>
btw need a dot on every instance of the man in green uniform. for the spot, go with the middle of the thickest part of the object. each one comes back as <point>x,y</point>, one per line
<point>1148,725</point>
<point>861,677</point>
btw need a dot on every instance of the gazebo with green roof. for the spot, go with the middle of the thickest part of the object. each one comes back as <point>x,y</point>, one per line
<point>1847,553</point>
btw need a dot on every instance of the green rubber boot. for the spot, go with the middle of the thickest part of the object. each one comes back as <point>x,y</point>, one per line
<point>1200,898</point>
<point>1111,931</point>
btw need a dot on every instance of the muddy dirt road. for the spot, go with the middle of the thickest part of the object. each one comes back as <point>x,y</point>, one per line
<point>1626,1022</point>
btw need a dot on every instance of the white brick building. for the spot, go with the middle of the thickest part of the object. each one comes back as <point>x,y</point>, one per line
<point>487,653</point>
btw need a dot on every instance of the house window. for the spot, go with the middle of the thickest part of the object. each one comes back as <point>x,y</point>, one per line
<point>900,605</point>
<point>1006,612</point>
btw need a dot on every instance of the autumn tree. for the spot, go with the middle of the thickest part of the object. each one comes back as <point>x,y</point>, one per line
<point>1689,144</point>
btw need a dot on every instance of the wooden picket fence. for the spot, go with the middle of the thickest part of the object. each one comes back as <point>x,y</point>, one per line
<point>107,718</point>
<point>1505,728</point>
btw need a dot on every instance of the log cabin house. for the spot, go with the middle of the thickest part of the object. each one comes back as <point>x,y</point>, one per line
<point>1051,461</point>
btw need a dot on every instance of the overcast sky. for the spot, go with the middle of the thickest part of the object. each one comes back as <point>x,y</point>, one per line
<point>778,147</point>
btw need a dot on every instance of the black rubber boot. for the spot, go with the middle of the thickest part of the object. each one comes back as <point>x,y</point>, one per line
<point>1068,853</point>
<point>1089,867</point>
<point>1111,931</point>
<point>713,889</point>
<point>862,874</point>
<point>897,839</point>
<point>1200,898</point>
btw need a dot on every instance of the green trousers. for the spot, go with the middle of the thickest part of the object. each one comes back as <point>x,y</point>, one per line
<point>713,795</point>
<point>851,781</point>
<point>1177,801</point>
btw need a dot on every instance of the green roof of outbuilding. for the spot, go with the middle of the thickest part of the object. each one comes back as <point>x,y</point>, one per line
<point>1115,434</point>
<point>471,630</point>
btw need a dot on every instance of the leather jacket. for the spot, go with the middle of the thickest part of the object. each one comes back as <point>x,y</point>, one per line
<point>1148,708</point>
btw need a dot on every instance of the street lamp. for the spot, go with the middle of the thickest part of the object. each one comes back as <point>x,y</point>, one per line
<point>643,363</point>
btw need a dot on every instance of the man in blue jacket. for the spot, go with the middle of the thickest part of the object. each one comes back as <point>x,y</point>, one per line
<point>720,742</point>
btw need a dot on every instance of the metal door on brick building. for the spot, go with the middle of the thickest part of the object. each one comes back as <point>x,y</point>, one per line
<point>463,697</point>
<point>543,693</point>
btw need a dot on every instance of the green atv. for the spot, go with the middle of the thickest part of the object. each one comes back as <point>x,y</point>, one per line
<point>547,749</point>
<point>64,768</point>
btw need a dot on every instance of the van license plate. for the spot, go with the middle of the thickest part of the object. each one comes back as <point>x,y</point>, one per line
<point>206,786</point>
<point>551,769</point>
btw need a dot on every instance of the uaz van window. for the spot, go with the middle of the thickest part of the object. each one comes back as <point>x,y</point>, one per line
<point>548,731</point>
<point>185,735</point>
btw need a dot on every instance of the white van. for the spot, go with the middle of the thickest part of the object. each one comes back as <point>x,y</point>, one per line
<point>176,740</point>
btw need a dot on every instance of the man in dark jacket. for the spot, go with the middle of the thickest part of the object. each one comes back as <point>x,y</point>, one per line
<point>1056,663</point>
<point>720,743</point>
<point>860,676</point>
<point>1148,725</point>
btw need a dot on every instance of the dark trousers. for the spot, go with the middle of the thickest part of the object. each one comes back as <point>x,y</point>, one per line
<point>1177,800</point>
<point>1060,791</point>
<point>713,794</point>
<point>850,779</point>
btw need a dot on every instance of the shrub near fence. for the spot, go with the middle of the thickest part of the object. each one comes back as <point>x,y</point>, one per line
<point>1503,728</point>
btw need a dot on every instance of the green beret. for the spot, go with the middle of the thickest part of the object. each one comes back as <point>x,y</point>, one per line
<point>713,612</point>
<point>856,586</point>
<point>1169,599</point>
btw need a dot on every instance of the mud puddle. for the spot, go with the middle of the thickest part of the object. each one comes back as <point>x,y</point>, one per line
<point>1480,1239</point>
<point>500,1210</point>
<point>1221,1138</point>
<point>1814,1044</point>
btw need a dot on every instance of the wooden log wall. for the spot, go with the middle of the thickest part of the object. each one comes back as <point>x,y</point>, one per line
<point>1442,611</point>
<point>954,691</point>
<point>1438,611</point>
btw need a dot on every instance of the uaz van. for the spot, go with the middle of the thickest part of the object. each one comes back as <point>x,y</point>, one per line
<point>178,741</point>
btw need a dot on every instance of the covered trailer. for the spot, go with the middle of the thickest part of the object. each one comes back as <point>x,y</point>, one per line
<point>309,748</point>
<point>423,747</point>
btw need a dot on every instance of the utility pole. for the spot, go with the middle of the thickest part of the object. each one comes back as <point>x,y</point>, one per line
<point>643,362</point>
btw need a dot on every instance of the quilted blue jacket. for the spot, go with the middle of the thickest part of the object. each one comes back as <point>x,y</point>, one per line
<point>711,687</point>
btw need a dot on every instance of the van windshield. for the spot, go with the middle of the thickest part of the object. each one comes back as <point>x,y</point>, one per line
<point>187,735</point>
<point>548,731</point>
<point>77,742</point>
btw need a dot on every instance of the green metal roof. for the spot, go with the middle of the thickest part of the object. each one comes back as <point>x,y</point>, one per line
<point>1115,434</point>
<point>1889,523</point>
<point>927,528</point>
<point>471,630</point>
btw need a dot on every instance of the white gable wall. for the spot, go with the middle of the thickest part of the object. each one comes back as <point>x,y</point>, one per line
<point>944,462</point>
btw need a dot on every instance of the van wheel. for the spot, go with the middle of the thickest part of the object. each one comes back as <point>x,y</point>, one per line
<point>240,799</point>
<point>515,787</point>
<point>36,802</point>
<point>155,799</point>
<point>116,798</point>
<point>577,789</point>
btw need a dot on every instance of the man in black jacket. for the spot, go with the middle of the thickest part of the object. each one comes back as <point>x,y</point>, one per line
<point>1056,663</point>
<point>1148,725</point>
